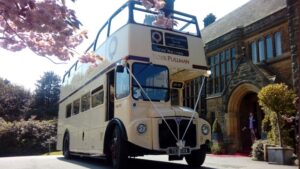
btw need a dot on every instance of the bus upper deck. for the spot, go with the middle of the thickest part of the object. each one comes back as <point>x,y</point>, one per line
<point>129,34</point>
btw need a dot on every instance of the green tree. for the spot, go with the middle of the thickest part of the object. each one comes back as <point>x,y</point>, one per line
<point>279,100</point>
<point>47,95</point>
<point>15,101</point>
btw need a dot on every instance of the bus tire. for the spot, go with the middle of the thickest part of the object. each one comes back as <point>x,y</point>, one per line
<point>196,158</point>
<point>118,149</point>
<point>66,147</point>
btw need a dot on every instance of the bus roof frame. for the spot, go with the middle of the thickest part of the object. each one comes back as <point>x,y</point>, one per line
<point>131,6</point>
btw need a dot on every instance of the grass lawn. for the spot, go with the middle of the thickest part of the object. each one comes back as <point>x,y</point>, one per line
<point>53,153</point>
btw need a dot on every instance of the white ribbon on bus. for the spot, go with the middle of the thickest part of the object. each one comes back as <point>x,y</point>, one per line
<point>180,143</point>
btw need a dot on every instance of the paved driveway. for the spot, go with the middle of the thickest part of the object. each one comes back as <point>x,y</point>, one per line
<point>148,162</point>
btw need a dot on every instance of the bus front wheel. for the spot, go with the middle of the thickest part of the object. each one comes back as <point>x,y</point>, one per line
<point>196,158</point>
<point>66,147</point>
<point>118,150</point>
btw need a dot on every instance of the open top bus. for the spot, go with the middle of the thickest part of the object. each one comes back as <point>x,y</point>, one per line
<point>123,107</point>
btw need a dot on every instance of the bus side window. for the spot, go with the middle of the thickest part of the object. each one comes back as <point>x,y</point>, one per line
<point>122,84</point>
<point>76,106</point>
<point>97,96</point>
<point>85,102</point>
<point>68,110</point>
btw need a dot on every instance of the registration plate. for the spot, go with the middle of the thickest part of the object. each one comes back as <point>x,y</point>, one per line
<point>178,151</point>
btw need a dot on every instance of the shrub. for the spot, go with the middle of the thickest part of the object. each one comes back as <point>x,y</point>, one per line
<point>269,126</point>
<point>257,152</point>
<point>26,137</point>
<point>217,131</point>
<point>277,100</point>
<point>216,128</point>
<point>217,148</point>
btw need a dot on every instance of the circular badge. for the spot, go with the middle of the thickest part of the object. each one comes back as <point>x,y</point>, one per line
<point>156,37</point>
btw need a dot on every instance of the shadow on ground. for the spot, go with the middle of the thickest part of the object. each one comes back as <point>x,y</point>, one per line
<point>91,163</point>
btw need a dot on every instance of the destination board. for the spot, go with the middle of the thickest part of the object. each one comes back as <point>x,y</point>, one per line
<point>177,41</point>
<point>169,43</point>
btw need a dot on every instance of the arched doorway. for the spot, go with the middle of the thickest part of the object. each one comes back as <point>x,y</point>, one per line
<point>242,101</point>
<point>249,103</point>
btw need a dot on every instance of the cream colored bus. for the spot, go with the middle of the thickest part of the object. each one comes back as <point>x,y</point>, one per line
<point>123,107</point>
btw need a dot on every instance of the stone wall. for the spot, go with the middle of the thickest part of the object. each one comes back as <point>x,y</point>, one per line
<point>293,17</point>
<point>294,34</point>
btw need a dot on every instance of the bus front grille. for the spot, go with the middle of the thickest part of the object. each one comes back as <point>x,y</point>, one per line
<point>166,138</point>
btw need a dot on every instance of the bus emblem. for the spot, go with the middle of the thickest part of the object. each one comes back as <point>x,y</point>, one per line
<point>157,37</point>
<point>178,120</point>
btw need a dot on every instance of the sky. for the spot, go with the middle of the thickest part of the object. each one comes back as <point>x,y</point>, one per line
<point>25,68</point>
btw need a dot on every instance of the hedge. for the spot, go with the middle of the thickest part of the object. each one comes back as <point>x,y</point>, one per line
<point>26,137</point>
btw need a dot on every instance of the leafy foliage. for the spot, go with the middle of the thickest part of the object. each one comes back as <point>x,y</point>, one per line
<point>17,136</point>
<point>276,100</point>
<point>257,152</point>
<point>15,101</point>
<point>157,4</point>
<point>217,135</point>
<point>47,27</point>
<point>217,148</point>
<point>47,95</point>
<point>26,137</point>
<point>216,128</point>
<point>269,125</point>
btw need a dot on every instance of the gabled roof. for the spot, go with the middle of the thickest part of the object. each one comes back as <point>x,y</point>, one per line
<point>247,14</point>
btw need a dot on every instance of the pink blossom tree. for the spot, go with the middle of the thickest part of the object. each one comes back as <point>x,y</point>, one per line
<point>49,28</point>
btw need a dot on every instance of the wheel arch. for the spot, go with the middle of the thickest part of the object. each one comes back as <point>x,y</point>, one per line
<point>66,133</point>
<point>108,132</point>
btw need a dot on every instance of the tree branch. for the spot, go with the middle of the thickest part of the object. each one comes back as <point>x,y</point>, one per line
<point>21,38</point>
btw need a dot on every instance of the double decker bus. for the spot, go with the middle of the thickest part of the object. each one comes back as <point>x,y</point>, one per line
<point>131,104</point>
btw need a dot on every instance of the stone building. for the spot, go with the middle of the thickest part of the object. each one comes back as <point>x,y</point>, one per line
<point>293,7</point>
<point>246,50</point>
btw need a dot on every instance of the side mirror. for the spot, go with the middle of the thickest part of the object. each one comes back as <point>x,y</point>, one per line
<point>120,69</point>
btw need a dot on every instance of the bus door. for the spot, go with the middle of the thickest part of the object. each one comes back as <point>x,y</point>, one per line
<point>110,95</point>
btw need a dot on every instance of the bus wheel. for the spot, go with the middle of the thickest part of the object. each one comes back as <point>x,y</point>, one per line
<point>118,150</point>
<point>196,158</point>
<point>66,147</point>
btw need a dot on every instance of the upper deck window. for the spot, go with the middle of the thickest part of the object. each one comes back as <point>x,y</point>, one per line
<point>154,79</point>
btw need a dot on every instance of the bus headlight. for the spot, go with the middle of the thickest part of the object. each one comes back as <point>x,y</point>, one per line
<point>205,129</point>
<point>141,128</point>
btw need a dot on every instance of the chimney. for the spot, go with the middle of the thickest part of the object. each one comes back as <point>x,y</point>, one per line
<point>209,19</point>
